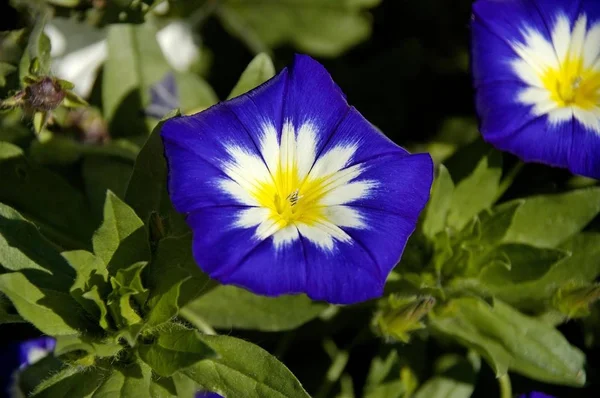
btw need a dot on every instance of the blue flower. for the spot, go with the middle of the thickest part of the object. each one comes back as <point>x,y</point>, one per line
<point>207,394</point>
<point>164,97</point>
<point>18,356</point>
<point>535,394</point>
<point>288,189</point>
<point>536,71</point>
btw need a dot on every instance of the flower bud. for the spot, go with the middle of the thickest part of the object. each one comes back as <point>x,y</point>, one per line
<point>402,315</point>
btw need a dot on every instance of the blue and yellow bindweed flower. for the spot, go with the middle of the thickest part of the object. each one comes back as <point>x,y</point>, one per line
<point>536,70</point>
<point>288,189</point>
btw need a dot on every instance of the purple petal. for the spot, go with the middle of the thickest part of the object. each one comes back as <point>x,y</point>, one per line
<point>289,190</point>
<point>516,108</point>
<point>207,394</point>
<point>164,97</point>
<point>31,351</point>
<point>536,394</point>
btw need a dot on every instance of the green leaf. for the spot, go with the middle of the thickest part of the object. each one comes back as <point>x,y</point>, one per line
<point>44,198</point>
<point>174,255</point>
<point>132,380</point>
<point>258,71</point>
<point>101,174</point>
<point>549,220</point>
<point>320,27</point>
<point>128,297</point>
<point>5,70</point>
<point>121,240</point>
<point>134,63</point>
<point>439,203</point>
<point>476,192</point>
<point>455,378</point>
<point>57,149</point>
<point>91,283</point>
<point>229,307</point>
<point>509,340</point>
<point>174,349</point>
<point>514,263</point>
<point>23,249</point>
<point>53,312</point>
<point>583,266</point>
<point>100,310</point>
<point>147,189</point>
<point>29,377</point>
<point>195,94</point>
<point>7,313</point>
<point>495,223</point>
<point>243,369</point>
<point>36,58</point>
<point>71,382</point>
<point>67,344</point>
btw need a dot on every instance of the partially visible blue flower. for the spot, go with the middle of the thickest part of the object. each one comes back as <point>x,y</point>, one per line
<point>18,356</point>
<point>163,97</point>
<point>207,394</point>
<point>32,351</point>
<point>288,189</point>
<point>535,394</point>
<point>536,71</point>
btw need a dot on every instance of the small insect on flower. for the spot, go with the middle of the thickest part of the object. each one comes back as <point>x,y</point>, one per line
<point>536,71</point>
<point>288,189</point>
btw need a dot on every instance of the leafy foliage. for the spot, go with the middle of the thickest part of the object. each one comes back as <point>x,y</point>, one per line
<point>93,254</point>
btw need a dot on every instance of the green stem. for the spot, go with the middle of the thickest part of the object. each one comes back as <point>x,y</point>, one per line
<point>334,373</point>
<point>505,386</point>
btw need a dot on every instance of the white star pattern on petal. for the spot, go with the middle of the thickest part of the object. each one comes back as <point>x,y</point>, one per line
<point>563,75</point>
<point>289,192</point>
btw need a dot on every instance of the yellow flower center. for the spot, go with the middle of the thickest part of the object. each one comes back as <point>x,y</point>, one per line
<point>573,85</point>
<point>290,199</point>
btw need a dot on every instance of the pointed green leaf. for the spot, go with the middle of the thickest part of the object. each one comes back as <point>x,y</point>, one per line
<point>22,248</point>
<point>147,189</point>
<point>91,280</point>
<point>243,369</point>
<point>121,240</point>
<point>439,203</point>
<point>36,57</point>
<point>549,220</point>
<point>455,378</point>
<point>476,192</point>
<point>229,307</point>
<point>66,344</point>
<point>174,264</point>
<point>258,71</point>
<point>524,264</point>
<point>7,313</point>
<point>131,278</point>
<point>71,382</point>
<point>174,349</point>
<point>101,174</point>
<point>509,340</point>
<point>52,312</point>
<point>43,197</point>
<point>132,380</point>
<point>134,63</point>
<point>320,27</point>
<point>583,266</point>
<point>495,223</point>
<point>100,311</point>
